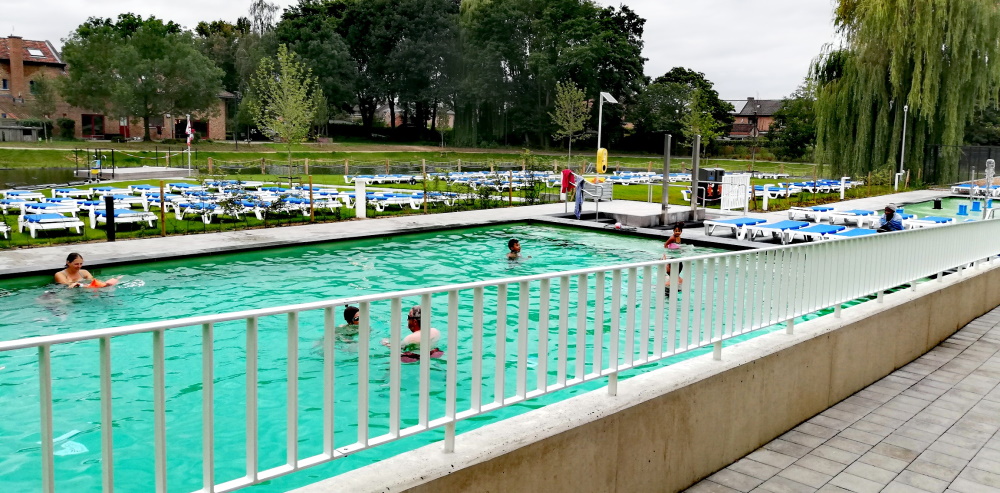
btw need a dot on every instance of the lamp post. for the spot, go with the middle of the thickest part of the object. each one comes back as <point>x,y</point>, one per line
<point>600,114</point>
<point>902,153</point>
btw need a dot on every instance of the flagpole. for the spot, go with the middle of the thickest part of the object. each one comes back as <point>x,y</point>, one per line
<point>190,136</point>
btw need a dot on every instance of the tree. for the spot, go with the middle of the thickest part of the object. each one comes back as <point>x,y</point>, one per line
<point>285,98</point>
<point>658,109</point>
<point>571,113</point>
<point>720,110</point>
<point>935,59</point>
<point>44,104</point>
<point>699,119</point>
<point>137,67</point>
<point>984,129</point>
<point>793,131</point>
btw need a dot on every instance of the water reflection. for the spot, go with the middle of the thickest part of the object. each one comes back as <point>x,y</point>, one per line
<point>19,177</point>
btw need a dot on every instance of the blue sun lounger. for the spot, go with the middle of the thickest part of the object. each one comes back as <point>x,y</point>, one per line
<point>37,222</point>
<point>814,232</point>
<point>121,216</point>
<point>777,229</point>
<point>735,225</point>
<point>858,216</point>
<point>851,233</point>
<point>816,212</point>
<point>928,221</point>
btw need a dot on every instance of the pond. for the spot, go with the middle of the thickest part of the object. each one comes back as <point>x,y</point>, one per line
<point>19,177</point>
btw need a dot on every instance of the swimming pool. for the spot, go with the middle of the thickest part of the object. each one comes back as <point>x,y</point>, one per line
<point>949,208</point>
<point>241,281</point>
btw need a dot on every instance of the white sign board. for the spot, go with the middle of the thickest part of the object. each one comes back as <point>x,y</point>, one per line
<point>735,191</point>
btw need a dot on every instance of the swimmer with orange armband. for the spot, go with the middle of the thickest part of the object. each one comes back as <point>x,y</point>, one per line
<point>74,276</point>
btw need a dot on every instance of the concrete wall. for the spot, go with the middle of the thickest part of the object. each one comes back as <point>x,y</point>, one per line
<point>667,429</point>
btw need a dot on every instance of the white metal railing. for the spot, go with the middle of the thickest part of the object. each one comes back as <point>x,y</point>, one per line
<point>515,339</point>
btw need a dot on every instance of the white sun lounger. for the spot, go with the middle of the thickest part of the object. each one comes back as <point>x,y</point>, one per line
<point>121,216</point>
<point>39,222</point>
<point>816,213</point>
<point>857,216</point>
<point>49,207</point>
<point>927,222</point>
<point>777,229</point>
<point>734,225</point>
<point>4,230</point>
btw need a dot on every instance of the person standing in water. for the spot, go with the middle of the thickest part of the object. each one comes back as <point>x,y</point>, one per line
<point>75,276</point>
<point>674,242</point>
<point>515,249</point>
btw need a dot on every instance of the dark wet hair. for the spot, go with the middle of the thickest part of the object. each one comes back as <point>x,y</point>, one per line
<point>512,242</point>
<point>679,225</point>
<point>350,312</point>
<point>73,256</point>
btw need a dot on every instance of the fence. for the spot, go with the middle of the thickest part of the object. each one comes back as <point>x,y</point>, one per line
<point>513,339</point>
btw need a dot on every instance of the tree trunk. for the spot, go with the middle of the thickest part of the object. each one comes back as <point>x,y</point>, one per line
<point>145,123</point>
<point>434,116</point>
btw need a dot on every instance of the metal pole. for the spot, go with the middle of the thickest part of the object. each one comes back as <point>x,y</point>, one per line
<point>664,192</point>
<point>600,119</point>
<point>902,154</point>
<point>695,157</point>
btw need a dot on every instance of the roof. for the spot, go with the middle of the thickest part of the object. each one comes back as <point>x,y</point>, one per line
<point>7,107</point>
<point>226,95</point>
<point>48,52</point>
<point>760,107</point>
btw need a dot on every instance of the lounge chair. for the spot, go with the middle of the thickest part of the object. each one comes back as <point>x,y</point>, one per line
<point>49,207</point>
<point>777,230</point>
<point>851,233</point>
<point>121,216</point>
<point>735,225</point>
<point>4,230</point>
<point>37,222</point>
<point>962,188</point>
<point>23,195</point>
<point>816,212</point>
<point>814,232</point>
<point>18,204</point>
<point>928,222</point>
<point>70,192</point>
<point>204,209</point>
<point>857,216</point>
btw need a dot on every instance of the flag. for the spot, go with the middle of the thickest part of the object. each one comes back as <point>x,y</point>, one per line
<point>190,133</point>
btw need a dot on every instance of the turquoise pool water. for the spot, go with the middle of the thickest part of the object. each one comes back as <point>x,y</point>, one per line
<point>949,208</point>
<point>226,283</point>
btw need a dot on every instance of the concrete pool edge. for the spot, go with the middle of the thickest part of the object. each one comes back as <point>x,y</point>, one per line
<point>669,428</point>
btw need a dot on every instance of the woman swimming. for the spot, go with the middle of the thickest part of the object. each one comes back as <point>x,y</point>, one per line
<point>75,276</point>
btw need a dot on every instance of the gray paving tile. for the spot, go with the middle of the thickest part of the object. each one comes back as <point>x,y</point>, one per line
<point>925,483</point>
<point>735,480</point>
<point>933,470</point>
<point>848,445</point>
<point>707,486</point>
<point>805,476</point>
<point>844,416</point>
<point>872,428</point>
<point>919,431</point>
<point>875,396</point>
<point>885,421</point>
<point>897,487</point>
<point>803,439</point>
<point>828,422</point>
<point>979,476</point>
<point>855,484</point>
<point>884,462</point>
<point>943,459</point>
<point>895,413</point>
<point>819,464</point>
<point>906,442</point>
<point>982,463</point>
<point>788,448</point>
<point>816,430</point>
<point>779,484</point>
<point>870,472</point>
<point>771,458</point>
<point>895,452</point>
<point>989,454</point>
<point>961,441</point>
<point>856,409</point>
<point>953,450</point>
<point>836,454</point>
<point>962,485</point>
<point>829,488</point>
<point>755,469</point>
<point>859,436</point>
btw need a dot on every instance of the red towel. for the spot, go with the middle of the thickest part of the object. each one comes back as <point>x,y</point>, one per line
<point>567,181</point>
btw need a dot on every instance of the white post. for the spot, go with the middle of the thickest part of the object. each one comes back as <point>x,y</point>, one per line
<point>600,119</point>
<point>902,153</point>
<point>360,199</point>
<point>843,185</point>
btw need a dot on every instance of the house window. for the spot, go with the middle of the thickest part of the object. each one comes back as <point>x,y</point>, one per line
<point>36,53</point>
<point>31,86</point>
<point>3,85</point>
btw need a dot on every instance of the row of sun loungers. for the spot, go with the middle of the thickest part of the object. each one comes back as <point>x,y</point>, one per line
<point>788,230</point>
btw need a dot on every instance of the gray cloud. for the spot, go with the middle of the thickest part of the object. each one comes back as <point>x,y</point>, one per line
<point>747,48</point>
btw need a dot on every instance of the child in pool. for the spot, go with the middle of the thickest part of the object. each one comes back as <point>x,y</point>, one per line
<point>674,242</point>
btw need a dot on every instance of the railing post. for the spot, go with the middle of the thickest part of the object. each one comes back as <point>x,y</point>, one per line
<point>717,351</point>
<point>790,326</point>
<point>837,310</point>
<point>880,297</point>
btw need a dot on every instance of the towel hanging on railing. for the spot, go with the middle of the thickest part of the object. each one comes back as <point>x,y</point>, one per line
<point>579,198</point>
<point>567,181</point>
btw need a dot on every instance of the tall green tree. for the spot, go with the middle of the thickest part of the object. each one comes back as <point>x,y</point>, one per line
<point>721,110</point>
<point>136,67</point>
<point>984,129</point>
<point>793,131</point>
<point>570,114</point>
<point>43,104</point>
<point>285,98</point>
<point>938,59</point>
<point>698,120</point>
<point>658,109</point>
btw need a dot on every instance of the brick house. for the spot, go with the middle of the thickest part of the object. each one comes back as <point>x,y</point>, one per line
<point>754,118</point>
<point>22,61</point>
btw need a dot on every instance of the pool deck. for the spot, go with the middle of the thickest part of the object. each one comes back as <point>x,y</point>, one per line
<point>45,260</point>
<point>930,427</point>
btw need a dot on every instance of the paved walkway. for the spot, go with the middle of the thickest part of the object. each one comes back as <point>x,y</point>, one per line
<point>931,426</point>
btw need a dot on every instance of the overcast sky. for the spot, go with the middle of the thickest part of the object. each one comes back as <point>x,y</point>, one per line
<point>747,48</point>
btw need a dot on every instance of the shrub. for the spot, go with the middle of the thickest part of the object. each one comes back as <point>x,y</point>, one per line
<point>67,128</point>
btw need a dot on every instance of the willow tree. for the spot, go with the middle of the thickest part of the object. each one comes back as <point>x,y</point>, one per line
<point>933,57</point>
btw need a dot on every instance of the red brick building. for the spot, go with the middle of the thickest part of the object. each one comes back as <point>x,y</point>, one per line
<point>22,61</point>
<point>754,118</point>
